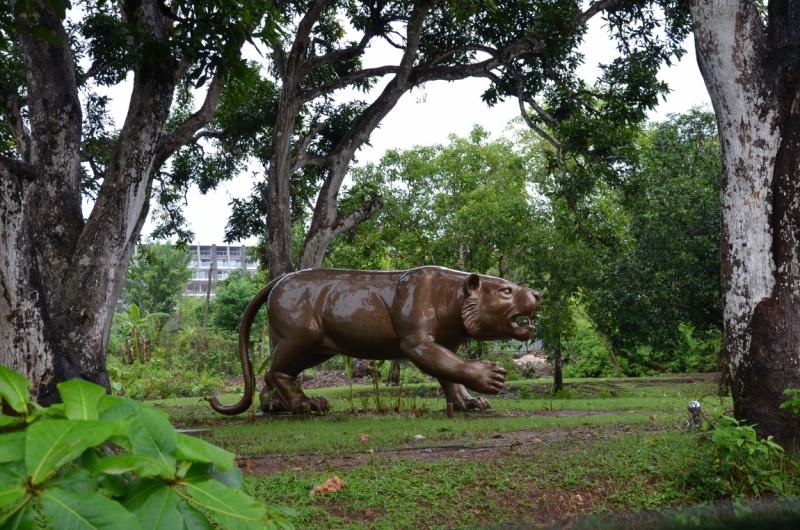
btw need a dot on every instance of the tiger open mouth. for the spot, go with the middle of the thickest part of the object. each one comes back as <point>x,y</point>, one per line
<point>522,321</point>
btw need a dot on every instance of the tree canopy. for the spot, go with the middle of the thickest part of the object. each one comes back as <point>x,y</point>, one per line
<point>157,278</point>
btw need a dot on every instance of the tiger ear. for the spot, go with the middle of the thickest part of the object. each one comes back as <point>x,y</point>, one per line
<point>472,284</point>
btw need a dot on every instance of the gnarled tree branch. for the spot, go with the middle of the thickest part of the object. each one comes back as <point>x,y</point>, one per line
<point>185,133</point>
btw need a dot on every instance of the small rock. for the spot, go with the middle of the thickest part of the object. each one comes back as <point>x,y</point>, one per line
<point>418,438</point>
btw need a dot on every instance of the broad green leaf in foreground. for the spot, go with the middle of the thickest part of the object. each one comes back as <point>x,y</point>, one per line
<point>201,472</point>
<point>229,507</point>
<point>12,486</point>
<point>142,465</point>
<point>114,484</point>
<point>194,519</point>
<point>151,434</point>
<point>155,505</point>
<point>22,519</point>
<point>197,450</point>
<point>76,511</point>
<point>81,399</point>
<point>74,480</point>
<point>10,420</point>
<point>50,444</point>
<point>14,388</point>
<point>12,446</point>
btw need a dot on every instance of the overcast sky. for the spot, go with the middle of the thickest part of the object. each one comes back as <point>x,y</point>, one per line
<point>429,115</point>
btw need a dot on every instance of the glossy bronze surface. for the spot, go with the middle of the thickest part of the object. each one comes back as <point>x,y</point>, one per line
<point>423,315</point>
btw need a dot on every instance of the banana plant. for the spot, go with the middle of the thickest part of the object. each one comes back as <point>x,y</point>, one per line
<point>133,325</point>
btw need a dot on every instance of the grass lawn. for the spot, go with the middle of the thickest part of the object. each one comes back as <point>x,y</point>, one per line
<point>604,447</point>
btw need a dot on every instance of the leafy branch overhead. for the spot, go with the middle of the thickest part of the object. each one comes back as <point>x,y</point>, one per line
<point>162,479</point>
<point>296,119</point>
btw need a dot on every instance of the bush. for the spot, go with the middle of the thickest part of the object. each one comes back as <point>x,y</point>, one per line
<point>732,461</point>
<point>105,462</point>
<point>588,356</point>
<point>159,379</point>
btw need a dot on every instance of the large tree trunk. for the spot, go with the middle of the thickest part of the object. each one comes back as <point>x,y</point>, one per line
<point>752,78</point>
<point>61,276</point>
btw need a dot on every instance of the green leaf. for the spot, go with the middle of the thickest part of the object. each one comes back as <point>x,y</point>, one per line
<point>114,484</point>
<point>155,505</point>
<point>12,487</point>
<point>74,480</point>
<point>142,465</point>
<point>202,472</point>
<point>12,446</point>
<point>81,399</point>
<point>14,389</point>
<point>10,420</point>
<point>229,507</point>
<point>194,518</point>
<point>22,519</point>
<point>50,444</point>
<point>76,511</point>
<point>196,450</point>
<point>151,434</point>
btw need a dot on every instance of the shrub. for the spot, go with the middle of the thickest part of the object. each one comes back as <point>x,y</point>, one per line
<point>106,462</point>
<point>733,461</point>
<point>747,464</point>
<point>792,401</point>
<point>159,379</point>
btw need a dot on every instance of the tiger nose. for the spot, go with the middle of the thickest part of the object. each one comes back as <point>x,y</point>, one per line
<point>536,297</point>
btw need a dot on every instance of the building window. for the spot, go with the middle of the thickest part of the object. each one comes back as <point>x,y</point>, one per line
<point>205,262</point>
<point>222,263</point>
<point>222,253</point>
<point>236,263</point>
<point>205,252</point>
<point>201,275</point>
<point>193,263</point>
<point>221,275</point>
<point>236,252</point>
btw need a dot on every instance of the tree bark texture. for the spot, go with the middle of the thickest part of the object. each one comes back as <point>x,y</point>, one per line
<point>61,275</point>
<point>753,77</point>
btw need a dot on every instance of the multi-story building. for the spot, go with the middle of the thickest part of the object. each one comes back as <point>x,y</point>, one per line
<point>215,262</point>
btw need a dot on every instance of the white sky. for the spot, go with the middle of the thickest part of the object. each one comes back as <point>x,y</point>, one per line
<point>430,115</point>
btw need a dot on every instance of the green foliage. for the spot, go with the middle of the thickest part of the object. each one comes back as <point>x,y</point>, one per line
<point>231,297</point>
<point>669,277</point>
<point>585,355</point>
<point>60,462</point>
<point>792,400</point>
<point>163,378</point>
<point>745,464</point>
<point>157,276</point>
<point>438,202</point>
<point>184,360</point>
<point>132,325</point>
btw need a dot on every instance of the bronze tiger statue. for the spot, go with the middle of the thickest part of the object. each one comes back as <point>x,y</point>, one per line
<point>423,315</point>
